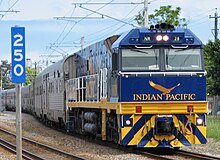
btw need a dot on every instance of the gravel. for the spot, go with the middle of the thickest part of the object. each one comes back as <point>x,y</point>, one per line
<point>33,129</point>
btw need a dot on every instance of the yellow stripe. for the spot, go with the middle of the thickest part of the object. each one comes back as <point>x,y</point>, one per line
<point>202,129</point>
<point>167,107</point>
<point>125,131</point>
<point>152,143</point>
<point>162,107</point>
<point>141,133</point>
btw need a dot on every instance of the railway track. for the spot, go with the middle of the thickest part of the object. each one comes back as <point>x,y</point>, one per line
<point>169,154</point>
<point>70,156</point>
<point>37,146</point>
<point>178,154</point>
<point>12,148</point>
<point>195,155</point>
<point>151,155</point>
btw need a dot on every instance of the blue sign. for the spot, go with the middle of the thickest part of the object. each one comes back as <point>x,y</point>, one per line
<point>181,88</point>
<point>18,54</point>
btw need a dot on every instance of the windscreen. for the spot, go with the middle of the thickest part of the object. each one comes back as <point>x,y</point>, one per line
<point>183,59</point>
<point>164,59</point>
<point>140,59</point>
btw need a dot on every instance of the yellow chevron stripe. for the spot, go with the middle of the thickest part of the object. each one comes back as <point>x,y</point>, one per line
<point>202,129</point>
<point>126,130</point>
<point>152,143</point>
<point>176,143</point>
<point>151,124</point>
<point>141,133</point>
<point>191,137</point>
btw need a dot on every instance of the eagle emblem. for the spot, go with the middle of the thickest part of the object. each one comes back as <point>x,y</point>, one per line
<point>161,88</point>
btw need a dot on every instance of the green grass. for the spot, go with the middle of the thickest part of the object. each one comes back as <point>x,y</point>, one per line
<point>213,127</point>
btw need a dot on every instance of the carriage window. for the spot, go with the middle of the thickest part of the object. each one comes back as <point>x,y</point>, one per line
<point>140,59</point>
<point>183,59</point>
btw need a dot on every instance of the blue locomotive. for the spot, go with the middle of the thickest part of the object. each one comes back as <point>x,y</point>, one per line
<point>143,88</point>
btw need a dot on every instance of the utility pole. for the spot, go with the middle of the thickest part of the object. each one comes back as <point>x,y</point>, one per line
<point>216,23</point>
<point>146,13</point>
<point>215,97</point>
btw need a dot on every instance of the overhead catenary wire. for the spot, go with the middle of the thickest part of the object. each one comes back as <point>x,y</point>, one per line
<point>116,23</point>
<point>100,3</point>
<point>3,15</point>
<point>113,31</point>
<point>104,15</point>
<point>83,18</point>
<point>54,49</point>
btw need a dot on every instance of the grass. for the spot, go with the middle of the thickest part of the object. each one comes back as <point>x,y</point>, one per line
<point>213,127</point>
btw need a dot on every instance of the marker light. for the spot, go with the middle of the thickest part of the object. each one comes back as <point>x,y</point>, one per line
<point>138,109</point>
<point>165,38</point>
<point>199,121</point>
<point>190,108</point>
<point>159,38</point>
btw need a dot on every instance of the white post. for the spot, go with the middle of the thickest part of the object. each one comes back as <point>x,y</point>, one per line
<point>18,123</point>
<point>146,13</point>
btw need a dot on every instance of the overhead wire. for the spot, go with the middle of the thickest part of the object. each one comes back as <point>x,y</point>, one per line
<point>200,20</point>
<point>9,9</point>
<point>110,27</point>
<point>113,31</point>
<point>116,23</point>
<point>64,37</point>
<point>75,25</point>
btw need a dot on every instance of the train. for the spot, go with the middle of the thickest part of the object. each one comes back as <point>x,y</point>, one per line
<point>144,88</point>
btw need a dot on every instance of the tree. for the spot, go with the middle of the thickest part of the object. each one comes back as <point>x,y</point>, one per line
<point>212,61</point>
<point>5,71</point>
<point>30,75</point>
<point>164,15</point>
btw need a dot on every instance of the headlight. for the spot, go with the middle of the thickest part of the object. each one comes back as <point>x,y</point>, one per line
<point>159,38</point>
<point>128,122</point>
<point>165,38</point>
<point>199,121</point>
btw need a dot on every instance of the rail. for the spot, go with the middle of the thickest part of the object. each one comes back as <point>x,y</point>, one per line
<point>195,155</point>
<point>12,148</point>
<point>38,144</point>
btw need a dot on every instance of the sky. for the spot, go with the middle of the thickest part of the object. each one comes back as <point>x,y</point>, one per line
<point>49,38</point>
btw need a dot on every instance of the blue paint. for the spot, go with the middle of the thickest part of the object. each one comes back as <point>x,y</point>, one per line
<point>189,85</point>
<point>137,36</point>
<point>135,129</point>
<point>196,131</point>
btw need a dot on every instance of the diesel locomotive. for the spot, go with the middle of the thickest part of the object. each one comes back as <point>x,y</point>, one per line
<point>143,88</point>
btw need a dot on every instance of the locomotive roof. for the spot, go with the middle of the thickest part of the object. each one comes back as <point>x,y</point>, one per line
<point>135,37</point>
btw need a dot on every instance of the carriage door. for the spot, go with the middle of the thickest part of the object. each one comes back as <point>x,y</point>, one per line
<point>45,91</point>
